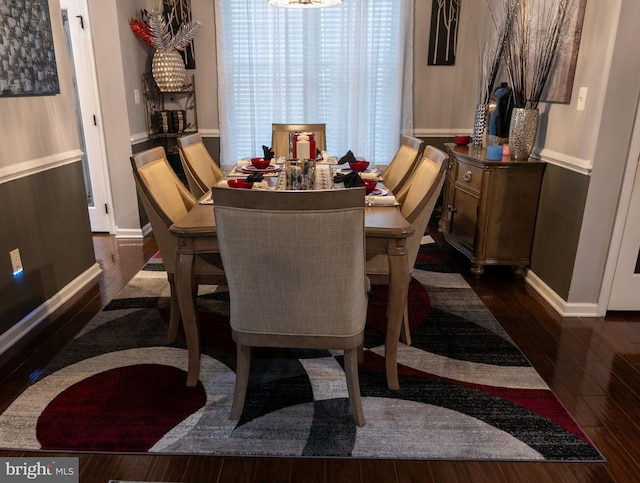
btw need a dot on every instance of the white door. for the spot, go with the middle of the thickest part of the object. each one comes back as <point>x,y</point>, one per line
<point>78,42</point>
<point>625,291</point>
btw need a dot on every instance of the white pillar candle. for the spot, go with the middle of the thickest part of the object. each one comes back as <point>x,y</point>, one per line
<point>303,147</point>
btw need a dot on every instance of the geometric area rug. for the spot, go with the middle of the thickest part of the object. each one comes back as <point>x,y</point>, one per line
<point>466,391</point>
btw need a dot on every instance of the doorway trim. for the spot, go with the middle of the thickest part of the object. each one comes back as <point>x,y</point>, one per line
<point>90,83</point>
<point>624,205</point>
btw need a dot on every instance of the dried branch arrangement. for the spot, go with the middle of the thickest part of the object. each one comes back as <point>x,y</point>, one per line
<point>502,13</point>
<point>537,31</point>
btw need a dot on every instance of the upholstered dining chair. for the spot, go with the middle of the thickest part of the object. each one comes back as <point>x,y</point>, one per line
<point>295,264</point>
<point>165,200</point>
<point>401,166</point>
<point>280,136</point>
<point>418,198</point>
<point>200,169</point>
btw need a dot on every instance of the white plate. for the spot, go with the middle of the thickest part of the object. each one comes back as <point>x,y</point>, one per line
<point>349,170</point>
<point>250,168</point>
<point>379,192</point>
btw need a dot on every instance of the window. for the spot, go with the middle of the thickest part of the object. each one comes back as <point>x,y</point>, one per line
<point>343,66</point>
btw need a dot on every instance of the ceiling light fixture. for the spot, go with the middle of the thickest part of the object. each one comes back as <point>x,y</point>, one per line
<point>304,3</point>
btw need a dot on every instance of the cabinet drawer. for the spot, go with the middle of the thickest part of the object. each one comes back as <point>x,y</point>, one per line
<point>469,176</point>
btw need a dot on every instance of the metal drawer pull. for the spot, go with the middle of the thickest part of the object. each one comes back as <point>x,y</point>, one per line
<point>451,208</point>
<point>467,176</point>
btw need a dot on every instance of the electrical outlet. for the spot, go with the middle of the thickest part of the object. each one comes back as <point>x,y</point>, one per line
<point>16,261</point>
<point>582,98</point>
<point>136,96</point>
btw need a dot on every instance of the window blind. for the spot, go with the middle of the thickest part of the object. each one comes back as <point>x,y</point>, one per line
<point>342,66</point>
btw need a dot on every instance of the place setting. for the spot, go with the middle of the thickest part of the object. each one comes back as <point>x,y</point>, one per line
<point>265,165</point>
<point>357,165</point>
<point>380,197</point>
<point>359,174</point>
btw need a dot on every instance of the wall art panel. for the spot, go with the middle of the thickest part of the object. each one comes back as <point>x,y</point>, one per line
<point>27,55</point>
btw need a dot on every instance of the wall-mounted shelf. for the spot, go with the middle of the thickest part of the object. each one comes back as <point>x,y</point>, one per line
<point>169,114</point>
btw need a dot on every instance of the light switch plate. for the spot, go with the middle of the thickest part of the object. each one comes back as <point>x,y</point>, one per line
<point>582,98</point>
<point>16,261</point>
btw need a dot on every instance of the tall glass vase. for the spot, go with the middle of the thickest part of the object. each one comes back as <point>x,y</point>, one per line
<point>522,132</point>
<point>479,125</point>
<point>168,70</point>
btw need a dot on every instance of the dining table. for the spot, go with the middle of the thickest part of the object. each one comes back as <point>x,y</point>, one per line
<point>386,232</point>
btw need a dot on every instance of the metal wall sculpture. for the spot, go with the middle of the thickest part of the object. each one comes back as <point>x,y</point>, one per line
<point>443,39</point>
<point>179,13</point>
<point>27,55</point>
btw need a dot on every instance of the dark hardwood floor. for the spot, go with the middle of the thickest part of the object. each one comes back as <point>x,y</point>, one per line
<point>590,363</point>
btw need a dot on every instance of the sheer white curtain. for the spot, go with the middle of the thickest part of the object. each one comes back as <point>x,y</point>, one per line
<point>348,66</point>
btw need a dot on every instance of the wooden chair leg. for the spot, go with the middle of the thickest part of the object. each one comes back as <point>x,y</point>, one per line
<point>174,314</point>
<point>405,333</point>
<point>353,384</point>
<point>242,380</point>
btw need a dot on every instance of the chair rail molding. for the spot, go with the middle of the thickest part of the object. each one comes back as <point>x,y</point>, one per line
<point>38,165</point>
<point>209,133</point>
<point>140,137</point>
<point>579,165</point>
<point>426,133</point>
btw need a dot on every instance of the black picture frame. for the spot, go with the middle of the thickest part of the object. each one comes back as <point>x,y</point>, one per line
<point>27,55</point>
<point>443,36</point>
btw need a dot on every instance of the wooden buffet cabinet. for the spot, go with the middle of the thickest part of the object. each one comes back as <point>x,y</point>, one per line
<point>489,207</point>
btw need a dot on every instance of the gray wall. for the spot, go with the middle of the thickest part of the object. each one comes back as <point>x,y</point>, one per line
<point>558,225</point>
<point>45,216</point>
<point>43,208</point>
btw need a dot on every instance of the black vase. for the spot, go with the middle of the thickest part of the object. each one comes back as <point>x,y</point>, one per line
<point>500,118</point>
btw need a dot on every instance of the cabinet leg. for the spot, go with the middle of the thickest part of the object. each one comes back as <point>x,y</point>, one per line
<point>477,269</point>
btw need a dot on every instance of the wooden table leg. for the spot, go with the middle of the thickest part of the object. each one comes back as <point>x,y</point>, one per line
<point>185,289</point>
<point>398,288</point>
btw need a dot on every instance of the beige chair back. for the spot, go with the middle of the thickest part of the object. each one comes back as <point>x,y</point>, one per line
<point>163,196</point>
<point>299,255</point>
<point>200,169</point>
<point>401,166</point>
<point>418,197</point>
<point>295,264</point>
<point>280,136</point>
<point>420,194</point>
<point>166,200</point>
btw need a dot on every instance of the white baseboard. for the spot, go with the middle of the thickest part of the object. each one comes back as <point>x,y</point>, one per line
<point>22,328</point>
<point>564,308</point>
<point>129,233</point>
<point>146,229</point>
